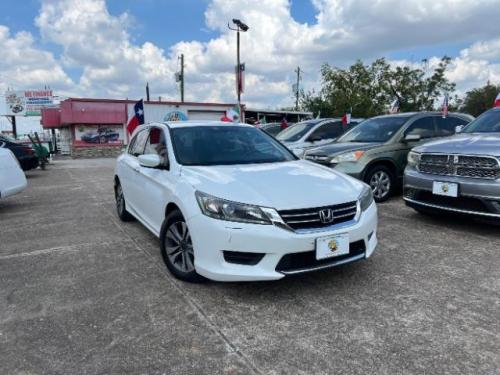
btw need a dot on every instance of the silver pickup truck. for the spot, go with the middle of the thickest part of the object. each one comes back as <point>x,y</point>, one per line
<point>458,174</point>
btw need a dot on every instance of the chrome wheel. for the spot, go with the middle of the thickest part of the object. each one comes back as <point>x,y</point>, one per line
<point>380,183</point>
<point>120,202</point>
<point>179,247</point>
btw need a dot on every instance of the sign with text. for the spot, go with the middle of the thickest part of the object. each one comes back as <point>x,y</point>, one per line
<point>28,102</point>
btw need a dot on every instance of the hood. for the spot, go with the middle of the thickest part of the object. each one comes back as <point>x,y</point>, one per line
<point>287,185</point>
<point>337,148</point>
<point>471,144</point>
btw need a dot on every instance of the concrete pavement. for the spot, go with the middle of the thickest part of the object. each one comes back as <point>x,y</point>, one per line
<point>83,293</point>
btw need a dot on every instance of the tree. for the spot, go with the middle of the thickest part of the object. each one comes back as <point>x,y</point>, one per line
<point>369,89</point>
<point>479,100</point>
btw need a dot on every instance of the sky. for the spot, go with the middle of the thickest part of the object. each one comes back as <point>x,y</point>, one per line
<point>110,49</point>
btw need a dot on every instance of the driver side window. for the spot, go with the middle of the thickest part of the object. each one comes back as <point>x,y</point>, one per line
<point>156,144</point>
<point>424,127</point>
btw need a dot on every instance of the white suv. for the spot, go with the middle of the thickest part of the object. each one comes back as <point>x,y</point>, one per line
<point>230,203</point>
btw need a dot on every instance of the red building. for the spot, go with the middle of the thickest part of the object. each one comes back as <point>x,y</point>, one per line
<point>97,127</point>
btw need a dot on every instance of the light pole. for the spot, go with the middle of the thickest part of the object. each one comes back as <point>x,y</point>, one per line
<point>240,26</point>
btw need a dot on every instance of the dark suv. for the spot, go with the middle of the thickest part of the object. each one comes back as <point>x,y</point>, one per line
<point>376,150</point>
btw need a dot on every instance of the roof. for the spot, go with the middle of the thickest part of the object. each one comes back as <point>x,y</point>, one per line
<point>129,101</point>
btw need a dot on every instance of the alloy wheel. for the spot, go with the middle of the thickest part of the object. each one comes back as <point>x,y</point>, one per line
<point>380,184</point>
<point>179,247</point>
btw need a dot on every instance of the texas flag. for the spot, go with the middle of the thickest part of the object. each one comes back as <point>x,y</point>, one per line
<point>497,101</point>
<point>444,107</point>
<point>138,118</point>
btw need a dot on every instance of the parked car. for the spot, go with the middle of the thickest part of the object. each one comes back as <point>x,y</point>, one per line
<point>103,135</point>
<point>272,128</point>
<point>376,150</point>
<point>228,203</point>
<point>313,133</point>
<point>12,178</point>
<point>459,174</point>
<point>24,154</point>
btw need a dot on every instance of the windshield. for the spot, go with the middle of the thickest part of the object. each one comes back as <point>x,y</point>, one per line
<point>226,145</point>
<point>378,129</point>
<point>488,122</point>
<point>295,132</point>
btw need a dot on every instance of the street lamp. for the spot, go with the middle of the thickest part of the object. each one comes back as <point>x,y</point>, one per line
<point>240,26</point>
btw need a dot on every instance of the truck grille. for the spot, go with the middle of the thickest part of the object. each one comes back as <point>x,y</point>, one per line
<point>486,167</point>
<point>310,218</point>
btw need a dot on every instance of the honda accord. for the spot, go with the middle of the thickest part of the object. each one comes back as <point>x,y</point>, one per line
<point>230,203</point>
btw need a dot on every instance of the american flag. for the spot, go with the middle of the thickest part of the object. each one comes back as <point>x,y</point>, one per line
<point>394,106</point>
<point>444,108</point>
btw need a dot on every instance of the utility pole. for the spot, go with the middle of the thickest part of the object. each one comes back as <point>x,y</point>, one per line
<point>147,91</point>
<point>297,88</point>
<point>182,77</point>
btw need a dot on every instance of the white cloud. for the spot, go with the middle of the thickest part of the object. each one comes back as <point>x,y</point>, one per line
<point>113,65</point>
<point>23,65</point>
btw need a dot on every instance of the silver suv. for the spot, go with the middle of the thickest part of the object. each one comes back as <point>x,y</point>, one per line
<point>458,174</point>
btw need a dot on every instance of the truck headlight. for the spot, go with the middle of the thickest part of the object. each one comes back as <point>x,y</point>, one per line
<point>413,158</point>
<point>347,156</point>
<point>222,209</point>
<point>366,198</point>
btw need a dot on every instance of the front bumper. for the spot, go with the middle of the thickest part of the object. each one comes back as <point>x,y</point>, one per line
<point>212,237</point>
<point>477,197</point>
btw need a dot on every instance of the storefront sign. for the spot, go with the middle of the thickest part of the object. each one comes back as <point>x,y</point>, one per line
<point>175,116</point>
<point>28,102</point>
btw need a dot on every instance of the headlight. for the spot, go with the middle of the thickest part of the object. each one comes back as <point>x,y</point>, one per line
<point>413,158</point>
<point>222,209</point>
<point>366,198</point>
<point>348,156</point>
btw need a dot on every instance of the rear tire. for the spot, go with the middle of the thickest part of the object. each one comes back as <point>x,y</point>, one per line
<point>177,248</point>
<point>121,209</point>
<point>381,180</point>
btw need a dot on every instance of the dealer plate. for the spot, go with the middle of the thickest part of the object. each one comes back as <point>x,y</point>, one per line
<point>328,247</point>
<point>447,189</point>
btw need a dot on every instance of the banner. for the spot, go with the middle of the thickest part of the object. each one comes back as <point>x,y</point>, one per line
<point>28,102</point>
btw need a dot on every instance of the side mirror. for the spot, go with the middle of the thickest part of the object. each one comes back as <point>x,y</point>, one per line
<point>459,128</point>
<point>150,161</point>
<point>412,138</point>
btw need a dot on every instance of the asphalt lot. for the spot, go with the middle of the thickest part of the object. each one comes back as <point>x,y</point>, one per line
<point>83,293</point>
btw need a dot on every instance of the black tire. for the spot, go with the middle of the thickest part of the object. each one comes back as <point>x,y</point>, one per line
<point>382,181</point>
<point>121,207</point>
<point>177,249</point>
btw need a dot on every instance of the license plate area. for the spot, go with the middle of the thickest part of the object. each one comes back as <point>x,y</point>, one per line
<point>332,246</point>
<point>447,189</point>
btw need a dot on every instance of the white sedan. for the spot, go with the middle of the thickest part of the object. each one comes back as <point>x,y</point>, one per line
<point>230,203</point>
<point>12,178</point>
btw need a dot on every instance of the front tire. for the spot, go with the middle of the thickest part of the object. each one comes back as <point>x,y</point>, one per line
<point>121,209</point>
<point>382,181</point>
<point>177,248</point>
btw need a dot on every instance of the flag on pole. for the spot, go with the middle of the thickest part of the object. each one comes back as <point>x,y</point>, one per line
<point>497,101</point>
<point>394,106</point>
<point>319,115</point>
<point>138,118</point>
<point>346,118</point>
<point>444,107</point>
<point>240,78</point>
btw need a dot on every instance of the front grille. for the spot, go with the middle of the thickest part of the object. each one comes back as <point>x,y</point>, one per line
<point>486,167</point>
<point>307,260</point>
<point>321,159</point>
<point>309,218</point>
